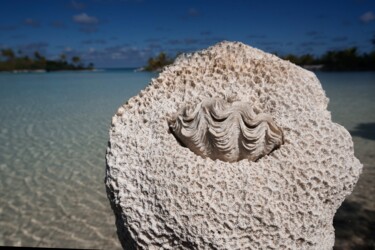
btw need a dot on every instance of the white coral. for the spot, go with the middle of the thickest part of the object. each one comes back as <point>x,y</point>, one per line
<point>166,197</point>
<point>226,131</point>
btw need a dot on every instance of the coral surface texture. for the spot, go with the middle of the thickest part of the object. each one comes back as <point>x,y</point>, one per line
<point>228,148</point>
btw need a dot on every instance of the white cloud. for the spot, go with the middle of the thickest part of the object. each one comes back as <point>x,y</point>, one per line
<point>83,18</point>
<point>117,55</point>
<point>367,17</point>
<point>31,22</point>
<point>123,55</point>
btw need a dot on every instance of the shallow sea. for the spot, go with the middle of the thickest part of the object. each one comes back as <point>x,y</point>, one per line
<point>54,132</point>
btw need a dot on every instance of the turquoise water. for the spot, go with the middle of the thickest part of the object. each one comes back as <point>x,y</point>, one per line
<point>352,104</point>
<point>54,132</point>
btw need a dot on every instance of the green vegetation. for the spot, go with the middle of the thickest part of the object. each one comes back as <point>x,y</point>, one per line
<point>338,60</point>
<point>157,63</point>
<point>10,62</point>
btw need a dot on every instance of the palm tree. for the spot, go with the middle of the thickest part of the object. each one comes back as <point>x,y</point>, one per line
<point>158,62</point>
<point>76,60</point>
<point>8,53</point>
<point>63,58</point>
<point>37,55</point>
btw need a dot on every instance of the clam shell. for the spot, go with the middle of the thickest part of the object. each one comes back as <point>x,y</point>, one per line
<point>226,131</point>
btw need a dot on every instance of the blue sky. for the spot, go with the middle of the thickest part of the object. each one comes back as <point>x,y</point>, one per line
<point>125,33</point>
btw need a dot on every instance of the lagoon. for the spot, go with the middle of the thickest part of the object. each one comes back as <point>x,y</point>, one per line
<point>54,132</point>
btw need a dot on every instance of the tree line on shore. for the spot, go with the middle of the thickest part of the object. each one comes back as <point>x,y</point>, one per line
<point>337,60</point>
<point>158,62</point>
<point>12,62</point>
<point>334,60</point>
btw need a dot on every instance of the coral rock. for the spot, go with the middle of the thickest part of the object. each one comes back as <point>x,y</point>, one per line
<point>167,196</point>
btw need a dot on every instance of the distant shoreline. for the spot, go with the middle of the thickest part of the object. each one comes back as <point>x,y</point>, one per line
<point>47,71</point>
<point>23,71</point>
<point>313,68</point>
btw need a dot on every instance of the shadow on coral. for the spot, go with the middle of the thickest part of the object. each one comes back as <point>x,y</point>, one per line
<point>364,130</point>
<point>354,227</point>
<point>123,234</point>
